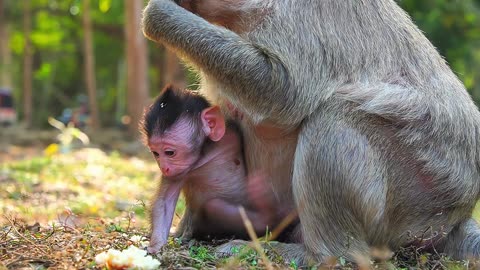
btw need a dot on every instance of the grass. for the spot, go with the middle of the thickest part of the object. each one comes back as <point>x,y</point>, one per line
<point>88,183</point>
<point>61,210</point>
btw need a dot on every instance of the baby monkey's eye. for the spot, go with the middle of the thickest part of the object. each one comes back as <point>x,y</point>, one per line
<point>155,154</point>
<point>169,153</point>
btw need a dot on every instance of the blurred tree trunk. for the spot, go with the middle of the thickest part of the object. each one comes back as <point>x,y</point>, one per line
<point>137,64</point>
<point>27,63</point>
<point>5,54</point>
<point>90,80</point>
<point>173,70</point>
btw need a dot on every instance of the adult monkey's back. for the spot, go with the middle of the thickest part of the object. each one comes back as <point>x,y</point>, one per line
<point>385,137</point>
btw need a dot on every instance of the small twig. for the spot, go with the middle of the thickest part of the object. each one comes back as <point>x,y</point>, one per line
<point>4,236</point>
<point>17,232</point>
<point>195,259</point>
<point>50,234</point>
<point>15,261</point>
<point>189,258</point>
<point>129,218</point>
<point>438,263</point>
<point>72,229</point>
<point>27,259</point>
<point>283,224</point>
<point>255,242</point>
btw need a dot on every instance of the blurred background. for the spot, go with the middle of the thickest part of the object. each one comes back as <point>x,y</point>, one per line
<point>86,61</point>
<point>83,62</point>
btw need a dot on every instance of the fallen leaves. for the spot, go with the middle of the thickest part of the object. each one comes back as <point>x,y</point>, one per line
<point>58,247</point>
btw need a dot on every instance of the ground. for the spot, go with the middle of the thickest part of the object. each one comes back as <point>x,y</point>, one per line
<point>60,210</point>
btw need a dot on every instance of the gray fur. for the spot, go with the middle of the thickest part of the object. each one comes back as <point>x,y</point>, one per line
<point>385,141</point>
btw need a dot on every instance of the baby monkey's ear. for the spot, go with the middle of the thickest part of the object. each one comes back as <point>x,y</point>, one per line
<point>213,123</point>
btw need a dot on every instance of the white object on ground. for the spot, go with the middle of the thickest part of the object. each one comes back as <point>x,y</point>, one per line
<point>130,258</point>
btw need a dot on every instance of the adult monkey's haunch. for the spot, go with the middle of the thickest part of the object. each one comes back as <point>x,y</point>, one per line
<point>349,106</point>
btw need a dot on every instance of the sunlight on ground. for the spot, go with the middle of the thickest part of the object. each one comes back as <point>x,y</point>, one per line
<point>87,183</point>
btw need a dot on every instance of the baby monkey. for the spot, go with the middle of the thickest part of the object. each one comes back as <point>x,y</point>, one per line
<point>199,152</point>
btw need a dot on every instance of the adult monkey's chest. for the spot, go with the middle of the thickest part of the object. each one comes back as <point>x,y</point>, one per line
<point>269,149</point>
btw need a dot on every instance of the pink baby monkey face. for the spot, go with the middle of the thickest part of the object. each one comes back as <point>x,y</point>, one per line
<point>176,150</point>
<point>177,126</point>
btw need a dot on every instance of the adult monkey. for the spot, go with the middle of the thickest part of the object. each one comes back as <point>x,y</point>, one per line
<point>384,136</point>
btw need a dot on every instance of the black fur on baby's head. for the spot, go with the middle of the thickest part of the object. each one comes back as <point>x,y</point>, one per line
<point>169,107</point>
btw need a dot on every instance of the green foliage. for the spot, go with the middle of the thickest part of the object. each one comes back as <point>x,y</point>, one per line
<point>104,5</point>
<point>453,26</point>
<point>57,40</point>
<point>476,212</point>
<point>48,33</point>
<point>112,227</point>
<point>32,166</point>
<point>201,254</point>
<point>247,256</point>
<point>293,265</point>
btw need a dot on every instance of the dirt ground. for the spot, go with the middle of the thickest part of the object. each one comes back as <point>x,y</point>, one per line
<point>59,211</point>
